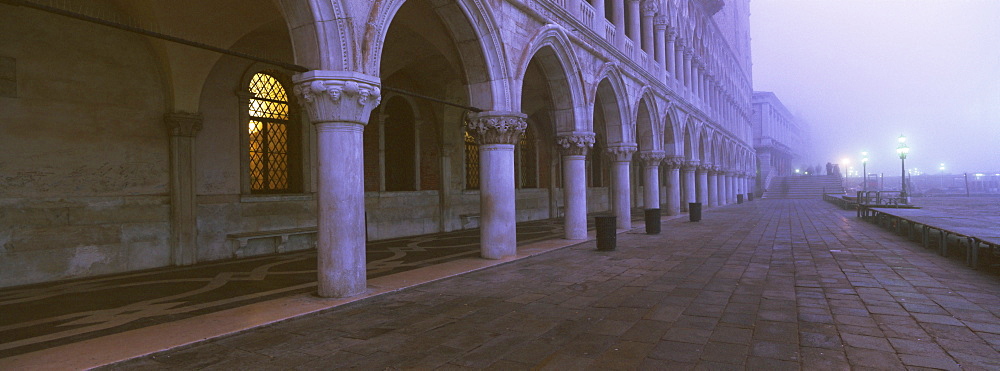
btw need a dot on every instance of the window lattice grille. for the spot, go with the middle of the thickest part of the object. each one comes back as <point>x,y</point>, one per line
<point>268,131</point>
<point>471,162</point>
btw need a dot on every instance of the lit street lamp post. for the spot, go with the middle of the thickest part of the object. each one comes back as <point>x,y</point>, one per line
<point>864,171</point>
<point>902,150</point>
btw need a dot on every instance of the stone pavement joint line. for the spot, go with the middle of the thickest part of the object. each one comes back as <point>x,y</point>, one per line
<point>771,284</point>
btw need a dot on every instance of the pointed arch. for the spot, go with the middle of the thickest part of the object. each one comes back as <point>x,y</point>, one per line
<point>647,128</point>
<point>673,140</point>
<point>613,97</point>
<point>476,37</point>
<point>551,48</point>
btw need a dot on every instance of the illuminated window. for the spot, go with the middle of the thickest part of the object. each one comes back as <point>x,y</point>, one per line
<point>471,162</point>
<point>269,134</point>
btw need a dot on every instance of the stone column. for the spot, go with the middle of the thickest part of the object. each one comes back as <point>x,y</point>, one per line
<point>599,14</point>
<point>702,187</point>
<point>690,194</point>
<point>713,187</point>
<point>696,76</point>
<point>724,184</point>
<point>679,61</point>
<point>651,167</point>
<point>649,9</point>
<point>496,132</point>
<point>659,42</point>
<point>574,148</point>
<point>183,128</point>
<point>339,104</point>
<point>621,156</point>
<point>688,73</point>
<point>618,19</point>
<point>634,22</point>
<point>671,52</point>
<point>701,82</point>
<point>720,180</point>
<point>673,186</point>
<point>731,187</point>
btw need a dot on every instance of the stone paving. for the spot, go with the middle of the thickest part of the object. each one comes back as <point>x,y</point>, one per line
<point>771,284</point>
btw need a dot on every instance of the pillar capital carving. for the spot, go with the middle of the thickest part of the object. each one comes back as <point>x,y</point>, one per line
<point>660,23</point>
<point>575,144</point>
<point>497,127</point>
<point>652,158</point>
<point>183,124</point>
<point>337,96</point>
<point>690,165</point>
<point>621,152</point>
<point>673,162</point>
<point>650,8</point>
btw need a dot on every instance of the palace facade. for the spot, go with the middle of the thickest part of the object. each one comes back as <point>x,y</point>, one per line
<point>215,129</point>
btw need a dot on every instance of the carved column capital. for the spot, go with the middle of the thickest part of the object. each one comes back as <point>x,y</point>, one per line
<point>660,23</point>
<point>575,144</point>
<point>652,158</point>
<point>673,162</point>
<point>497,127</point>
<point>337,96</point>
<point>621,152</point>
<point>183,124</point>
<point>689,165</point>
<point>650,8</point>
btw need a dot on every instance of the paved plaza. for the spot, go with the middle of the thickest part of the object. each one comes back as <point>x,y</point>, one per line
<point>771,284</point>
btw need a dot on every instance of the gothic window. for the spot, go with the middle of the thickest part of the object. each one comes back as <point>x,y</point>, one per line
<point>273,157</point>
<point>471,162</point>
<point>526,160</point>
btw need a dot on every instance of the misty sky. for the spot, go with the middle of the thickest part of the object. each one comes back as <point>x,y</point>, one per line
<point>861,72</point>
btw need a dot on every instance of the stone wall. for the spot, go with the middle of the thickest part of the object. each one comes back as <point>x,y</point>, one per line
<point>84,166</point>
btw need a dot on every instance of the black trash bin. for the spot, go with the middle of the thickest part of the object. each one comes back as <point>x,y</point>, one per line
<point>694,211</point>
<point>606,236</point>
<point>652,221</point>
<point>739,198</point>
<point>749,196</point>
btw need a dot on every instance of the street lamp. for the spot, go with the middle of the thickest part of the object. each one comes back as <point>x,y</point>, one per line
<point>902,150</point>
<point>864,167</point>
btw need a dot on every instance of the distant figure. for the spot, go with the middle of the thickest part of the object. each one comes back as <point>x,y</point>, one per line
<point>829,168</point>
<point>836,169</point>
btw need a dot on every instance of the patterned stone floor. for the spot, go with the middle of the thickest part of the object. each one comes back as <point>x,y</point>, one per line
<point>770,285</point>
<point>41,316</point>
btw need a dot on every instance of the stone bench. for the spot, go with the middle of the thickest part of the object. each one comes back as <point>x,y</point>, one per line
<point>240,240</point>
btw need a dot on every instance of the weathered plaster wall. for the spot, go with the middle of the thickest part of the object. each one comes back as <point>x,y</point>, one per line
<point>83,170</point>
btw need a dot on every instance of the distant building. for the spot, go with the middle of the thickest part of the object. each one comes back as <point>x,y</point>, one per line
<point>778,137</point>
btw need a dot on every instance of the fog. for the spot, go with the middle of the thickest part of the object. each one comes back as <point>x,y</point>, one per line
<point>859,73</point>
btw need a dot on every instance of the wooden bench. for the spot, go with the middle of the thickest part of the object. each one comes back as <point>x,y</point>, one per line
<point>240,240</point>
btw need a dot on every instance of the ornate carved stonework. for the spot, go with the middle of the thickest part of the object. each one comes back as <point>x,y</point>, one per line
<point>576,144</point>
<point>660,22</point>
<point>621,152</point>
<point>183,124</point>
<point>495,127</point>
<point>673,162</point>
<point>652,158</point>
<point>650,8</point>
<point>337,96</point>
<point>690,165</point>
